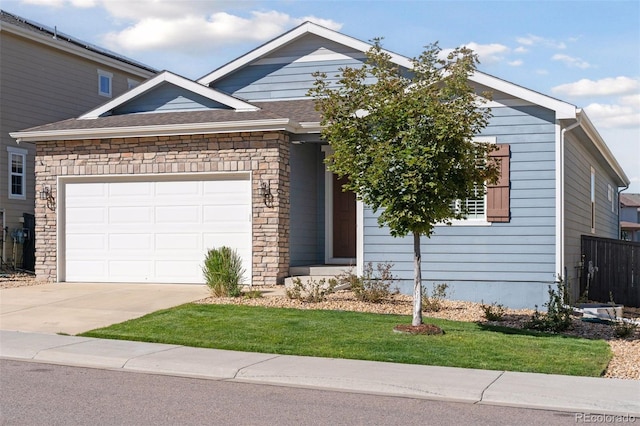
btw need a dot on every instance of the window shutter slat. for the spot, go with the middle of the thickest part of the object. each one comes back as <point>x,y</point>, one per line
<point>498,194</point>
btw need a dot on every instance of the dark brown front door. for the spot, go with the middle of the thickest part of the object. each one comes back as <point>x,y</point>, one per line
<point>344,220</point>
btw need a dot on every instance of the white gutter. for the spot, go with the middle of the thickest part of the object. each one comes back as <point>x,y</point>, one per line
<point>165,130</point>
<point>602,147</point>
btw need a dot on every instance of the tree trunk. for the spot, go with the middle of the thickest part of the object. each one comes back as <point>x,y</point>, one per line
<point>417,281</point>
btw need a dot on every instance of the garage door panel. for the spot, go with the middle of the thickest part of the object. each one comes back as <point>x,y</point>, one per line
<point>77,270</point>
<point>130,241</point>
<point>173,188</point>
<point>86,241</point>
<point>226,186</point>
<point>130,214</point>
<point>85,192</point>
<point>130,270</point>
<point>213,214</point>
<point>178,241</point>
<point>86,215</point>
<point>182,214</point>
<point>153,231</point>
<point>189,271</point>
<point>127,190</point>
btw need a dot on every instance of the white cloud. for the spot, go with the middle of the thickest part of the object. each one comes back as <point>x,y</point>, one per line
<point>198,33</point>
<point>521,49</point>
<point>604,87</point>
<point>611,115</point>
<point>60,3</point>
<point>633,100</point>
<point>571,61</point>
<point>533,40</point>
<point>516,63</point>
<point>189,26</point>
<point>487,53</point>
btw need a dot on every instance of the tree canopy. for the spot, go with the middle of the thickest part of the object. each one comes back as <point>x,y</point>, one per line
<point>403,138</point>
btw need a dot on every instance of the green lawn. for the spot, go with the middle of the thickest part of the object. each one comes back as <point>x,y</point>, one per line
<point>354,335</point>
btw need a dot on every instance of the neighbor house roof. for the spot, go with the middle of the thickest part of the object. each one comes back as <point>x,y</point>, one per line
<point>54,38</point>
<point>630,200</point>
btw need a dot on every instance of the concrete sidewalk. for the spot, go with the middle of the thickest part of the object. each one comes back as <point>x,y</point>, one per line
<point>550,392</point>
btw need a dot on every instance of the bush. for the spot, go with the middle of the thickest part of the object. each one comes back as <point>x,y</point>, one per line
<point>223,272</point>
<point>433,303</point>
<point>368,287</point>
<point>623,330</point>
<point>313,292</point>
<point>493,312</point>
<point>558,315</point>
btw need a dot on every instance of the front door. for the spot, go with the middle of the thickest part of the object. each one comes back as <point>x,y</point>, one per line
<point>344,220</point>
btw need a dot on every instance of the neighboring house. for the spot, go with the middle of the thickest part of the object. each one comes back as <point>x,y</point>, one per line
<point>147,182</point>
<point>630,216</point>
<point>45,76</point>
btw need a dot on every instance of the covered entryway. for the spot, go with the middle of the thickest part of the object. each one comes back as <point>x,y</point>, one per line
<point>151,229</point>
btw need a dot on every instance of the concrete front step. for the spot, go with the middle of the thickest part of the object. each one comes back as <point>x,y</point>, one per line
<point>320,270</point>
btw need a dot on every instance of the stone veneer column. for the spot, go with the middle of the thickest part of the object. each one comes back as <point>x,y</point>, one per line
<point>264,154</point>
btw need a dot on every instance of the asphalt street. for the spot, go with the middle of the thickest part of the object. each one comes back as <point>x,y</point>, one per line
<point>48,394</point>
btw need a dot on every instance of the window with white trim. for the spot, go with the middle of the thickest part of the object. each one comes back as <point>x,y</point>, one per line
<point>17,173</point>
<point>104,83</point>
<point>131,83</point>
<point>475,207</point>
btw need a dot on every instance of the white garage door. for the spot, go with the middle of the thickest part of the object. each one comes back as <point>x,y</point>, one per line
<point>153,231</point>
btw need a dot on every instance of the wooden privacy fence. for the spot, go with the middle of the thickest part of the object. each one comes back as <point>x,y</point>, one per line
<point>610,269</point>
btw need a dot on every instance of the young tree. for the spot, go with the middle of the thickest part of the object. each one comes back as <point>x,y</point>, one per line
<point>404,140</point>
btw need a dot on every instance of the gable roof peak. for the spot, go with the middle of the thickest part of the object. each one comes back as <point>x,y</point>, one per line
<point>290,36</point>
<point>177,80</point>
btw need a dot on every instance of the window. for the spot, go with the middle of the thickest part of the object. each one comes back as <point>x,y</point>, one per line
<point>593,200</point>
<point>475,207</point>
<point>104,83</point>
<point>131,83</point>
<point>494,204</point>
<point>17,173</point>
<point>611,196</point>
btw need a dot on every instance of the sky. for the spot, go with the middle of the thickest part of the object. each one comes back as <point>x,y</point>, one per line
<point>586,53</point>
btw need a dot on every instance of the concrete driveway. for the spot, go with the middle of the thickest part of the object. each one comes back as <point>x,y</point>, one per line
<point>74,308</point>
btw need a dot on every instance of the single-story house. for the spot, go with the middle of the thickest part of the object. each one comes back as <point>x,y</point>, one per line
<point>145,183</point>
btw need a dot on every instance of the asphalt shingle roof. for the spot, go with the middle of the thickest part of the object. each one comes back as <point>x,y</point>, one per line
<point>296,110</point>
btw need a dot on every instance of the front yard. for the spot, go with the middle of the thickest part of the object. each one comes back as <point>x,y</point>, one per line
<point>358,335</point>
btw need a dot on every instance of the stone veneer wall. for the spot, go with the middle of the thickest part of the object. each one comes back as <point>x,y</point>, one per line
<point>264,154</point>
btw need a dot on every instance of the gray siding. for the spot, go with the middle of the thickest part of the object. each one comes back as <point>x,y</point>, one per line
<point>578,163</point>
<point>168,97</point>
<point>41,84</point>
<point>510,263</point>
<point>307,205</point>
<point>287,72</point>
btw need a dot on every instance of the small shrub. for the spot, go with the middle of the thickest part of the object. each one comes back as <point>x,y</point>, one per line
<point>623,330</point>
<point>313,292</point>
<point>433,302</point>
<point>223,272</point>
<point>558,315</point>
<point>493,312</point>
<point>369,287</point>
<point>252,294</point>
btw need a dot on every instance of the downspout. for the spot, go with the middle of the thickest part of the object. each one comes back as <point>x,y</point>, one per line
<point>561,200</point>
<point>3,236</point>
